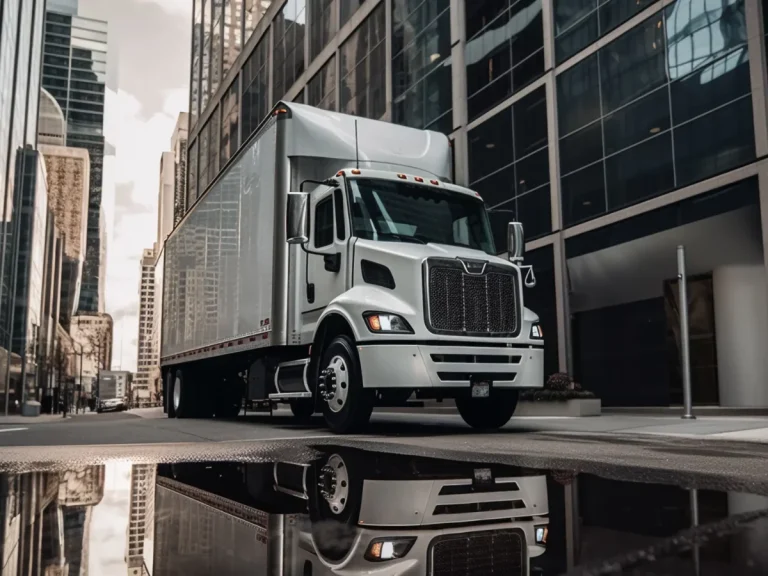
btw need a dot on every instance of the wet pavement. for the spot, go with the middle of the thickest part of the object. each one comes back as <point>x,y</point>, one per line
<point>316,506</point>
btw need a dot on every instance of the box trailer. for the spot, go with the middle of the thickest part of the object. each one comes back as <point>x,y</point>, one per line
<point>332,265</point>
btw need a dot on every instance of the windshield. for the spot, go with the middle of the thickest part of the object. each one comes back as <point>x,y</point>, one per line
<point>402,212</point>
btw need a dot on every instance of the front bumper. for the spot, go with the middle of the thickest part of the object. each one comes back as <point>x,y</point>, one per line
<point>435,366</point>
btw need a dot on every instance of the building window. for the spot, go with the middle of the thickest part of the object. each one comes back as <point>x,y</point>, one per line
<point>421,65</point>
<point>509,167</point>
<point>253,13</point>
<point>233,33</point>
<point>578,23</point>
<point>255,88</point>
<point>363,68</point>
<point>192,175</point>
<point>349,7</point>
<point>504,52</point>
<point>197,44</point>
<point>230,120</point>
<point>288,58</point>
<point>322,88</point>
<point>205,77</point>
<point>637,118</point>
<point>217,45</point>
<point>322,25</point>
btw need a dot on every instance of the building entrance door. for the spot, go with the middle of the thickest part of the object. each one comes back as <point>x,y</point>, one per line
<point>703,350</point>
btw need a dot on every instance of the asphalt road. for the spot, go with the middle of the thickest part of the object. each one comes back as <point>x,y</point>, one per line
<point>150,437</point>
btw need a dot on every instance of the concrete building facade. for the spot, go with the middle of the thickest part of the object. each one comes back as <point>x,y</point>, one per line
<point>613,132</point>
<point>92,335</point>
<point>68,176</point>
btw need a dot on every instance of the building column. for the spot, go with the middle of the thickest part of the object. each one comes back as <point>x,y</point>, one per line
<point>741,318</point>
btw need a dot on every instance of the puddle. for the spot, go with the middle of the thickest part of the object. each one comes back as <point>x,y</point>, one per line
<point>351,512</point>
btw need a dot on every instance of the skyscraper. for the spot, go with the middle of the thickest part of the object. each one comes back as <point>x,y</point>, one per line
<point>147,352</point>
<point>21,27</point>
<point>74,72</point>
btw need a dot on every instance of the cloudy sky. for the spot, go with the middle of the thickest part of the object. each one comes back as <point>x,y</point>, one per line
<point>149,78</point>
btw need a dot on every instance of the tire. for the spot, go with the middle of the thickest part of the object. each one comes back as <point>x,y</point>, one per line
<point>347,406</point>
<point>303,410</point>
<point>334,506</point>
<point>182,399</point>
<point>488,413</point>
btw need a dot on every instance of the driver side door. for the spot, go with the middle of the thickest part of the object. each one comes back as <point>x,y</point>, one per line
<point>326,271</point>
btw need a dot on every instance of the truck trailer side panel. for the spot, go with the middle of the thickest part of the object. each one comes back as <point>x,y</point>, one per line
<point>219,262</point>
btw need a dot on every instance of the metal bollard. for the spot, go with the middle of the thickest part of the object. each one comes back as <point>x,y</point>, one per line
<point>685,359</point>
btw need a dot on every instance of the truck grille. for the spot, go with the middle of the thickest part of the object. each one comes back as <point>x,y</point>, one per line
<point>478,554</point>
<point>477,304</point>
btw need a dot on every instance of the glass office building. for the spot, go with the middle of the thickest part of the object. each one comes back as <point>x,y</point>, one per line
<point>614,130</point>
<point>74,73</point>
<point>21,39</point>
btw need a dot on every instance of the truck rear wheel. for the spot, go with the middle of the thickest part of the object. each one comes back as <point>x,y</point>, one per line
<point>488,413</point>
<point>347,406</point>
<point>182,397</point>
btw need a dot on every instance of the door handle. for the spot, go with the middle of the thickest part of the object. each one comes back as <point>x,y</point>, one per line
<point>332,262</point>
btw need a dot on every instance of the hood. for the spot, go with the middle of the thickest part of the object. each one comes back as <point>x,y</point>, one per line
<point>418,252</point>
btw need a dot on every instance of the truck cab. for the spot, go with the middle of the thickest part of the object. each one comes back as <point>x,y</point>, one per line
<point>404,293</point>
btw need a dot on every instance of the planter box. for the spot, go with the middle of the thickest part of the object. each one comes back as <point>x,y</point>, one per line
<point>574,408</point>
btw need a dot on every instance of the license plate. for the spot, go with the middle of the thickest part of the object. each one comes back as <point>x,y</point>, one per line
<point>481,389</point>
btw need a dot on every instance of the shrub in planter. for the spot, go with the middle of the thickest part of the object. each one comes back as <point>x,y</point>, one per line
<point>559,387</point>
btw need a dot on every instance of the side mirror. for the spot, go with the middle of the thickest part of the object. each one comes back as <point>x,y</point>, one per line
<point>515,241</point>
<point>297,218</point>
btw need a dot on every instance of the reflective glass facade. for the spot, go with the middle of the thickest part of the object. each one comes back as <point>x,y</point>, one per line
<point>74,72</point>
<point>636,118</point>
<point>619,109</point>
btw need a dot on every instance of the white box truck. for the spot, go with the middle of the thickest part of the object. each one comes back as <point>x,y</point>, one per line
<point>333,266</point>
<point>349,513</point>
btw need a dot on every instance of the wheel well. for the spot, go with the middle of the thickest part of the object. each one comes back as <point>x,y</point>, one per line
<point>332,325</point>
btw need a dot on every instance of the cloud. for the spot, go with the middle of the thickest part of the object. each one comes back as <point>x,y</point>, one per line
<point>125,203</point>
<point>174,7</point>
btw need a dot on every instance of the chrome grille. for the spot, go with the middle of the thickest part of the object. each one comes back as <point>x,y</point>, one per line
<point>478,554</point>
<point>472,303</point>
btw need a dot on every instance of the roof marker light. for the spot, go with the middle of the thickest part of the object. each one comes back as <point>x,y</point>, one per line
<point>402,176</point>
<point>281,111</point>
<point>340,173</point>
<point>355,171</point>
<point>418,179</point>
<point>478,195</point>
<point>435,182</point>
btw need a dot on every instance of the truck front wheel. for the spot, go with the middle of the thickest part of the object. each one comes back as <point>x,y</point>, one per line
<point>347,406</point>
<point>488,413</point>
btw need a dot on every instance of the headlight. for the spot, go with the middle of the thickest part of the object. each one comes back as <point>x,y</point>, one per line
<point>381,322</point>
<point>541,534</point>
<point>382,549</point>
<point>536,332</point>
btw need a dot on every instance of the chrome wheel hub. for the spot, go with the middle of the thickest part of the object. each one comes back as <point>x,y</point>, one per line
<point>334,484</point>
<point>333,384</point>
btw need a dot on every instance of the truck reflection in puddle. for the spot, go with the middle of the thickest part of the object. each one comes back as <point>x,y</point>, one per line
<point>349,512</point>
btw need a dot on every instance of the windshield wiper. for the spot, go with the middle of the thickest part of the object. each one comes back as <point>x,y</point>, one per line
<point>402,237</point>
